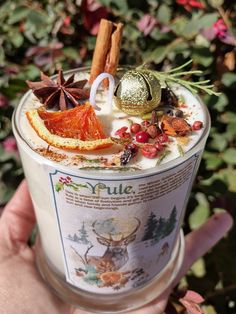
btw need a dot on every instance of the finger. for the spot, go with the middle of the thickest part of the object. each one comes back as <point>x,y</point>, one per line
<point>18,218</point>
<point>199,241</point>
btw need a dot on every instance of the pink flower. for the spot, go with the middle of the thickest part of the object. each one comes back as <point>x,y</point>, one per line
<point>190,4</point>
<point>9,144</point>
<point>220,29</point>
<point>3,101</point>
<point>146,24</point>
<point>92,13</point>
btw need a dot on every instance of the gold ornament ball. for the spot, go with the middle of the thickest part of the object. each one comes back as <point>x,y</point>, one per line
<point>138,92</point>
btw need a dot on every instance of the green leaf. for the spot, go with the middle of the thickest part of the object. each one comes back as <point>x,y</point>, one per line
<point>218,103</point>
<point>216,3</point>
<point>160,53</point>
<point>121,6</point>
<point>158,36</point>
<point>200,213</point>
<point>6,193</point>
<point>231,131</point>
<point>5,127</point>
<point>72,53</point>
<point>36,19</point>
<point>229,156</point>
<point>221,182</point>
<point>201,41</point>
<point>209,309</point>
<point>219,142</point>
<point>228,117</point>
<point>221,102</point>
<point>30,71</point>
<point>202,56</point>
<point>213,161</point>
<point>164,14</point>
<point>59,186</point>
<point>2,56</point>
<point>178,25</point>
<point>190,28</point>
<point>198,268</point>
<point>19,14</point>
<point>207,20</point>
<point>106,3</point>
<point>5,9</point>
<point>16,38</point>
<point>229,80</point>
<point>131,32</point>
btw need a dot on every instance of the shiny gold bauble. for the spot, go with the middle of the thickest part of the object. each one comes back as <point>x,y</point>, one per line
<point>138,92</point>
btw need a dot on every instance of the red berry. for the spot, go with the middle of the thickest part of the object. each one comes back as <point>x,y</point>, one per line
<point>121,131</point>
<point>131,146</point>
<point>126,135</point>
<point>162,138</point>
<point>159,147</point>
<point>149,151</point>
<point>142,137</point>
<point>197,125</point>
<point>145,123</point>
<point>135,128</point>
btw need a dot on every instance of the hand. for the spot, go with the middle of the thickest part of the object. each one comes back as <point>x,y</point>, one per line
<point>23,291</point>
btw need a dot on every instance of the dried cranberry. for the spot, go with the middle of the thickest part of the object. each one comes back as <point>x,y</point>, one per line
<point>133,147</point>
<point>153,131</point>
<point>149,151</point>
<point>135,128</point>
<point>126,135</point>
<point>145,123</point>
<point>159,147</point>
<point>197,125</point>
<point>142,137</point>
<point>121,131</point>
<point>162,138</point>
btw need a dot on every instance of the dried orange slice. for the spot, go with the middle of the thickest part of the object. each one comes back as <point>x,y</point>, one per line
<point>111,277</point>
<point>74,129</point>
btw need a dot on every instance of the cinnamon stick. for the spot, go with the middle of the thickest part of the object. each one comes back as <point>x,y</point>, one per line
<point>107,49</point>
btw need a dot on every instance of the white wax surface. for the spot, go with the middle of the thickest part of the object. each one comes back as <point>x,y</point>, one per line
<point>112,119</point>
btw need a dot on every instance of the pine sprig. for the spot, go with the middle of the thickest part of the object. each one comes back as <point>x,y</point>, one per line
<point>174,76</point>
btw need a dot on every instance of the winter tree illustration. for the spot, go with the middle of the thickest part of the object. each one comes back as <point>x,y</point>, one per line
<point>81,237</point>
<point>157,229</point>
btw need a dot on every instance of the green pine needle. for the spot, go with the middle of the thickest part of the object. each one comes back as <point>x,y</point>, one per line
<point>174,76</point>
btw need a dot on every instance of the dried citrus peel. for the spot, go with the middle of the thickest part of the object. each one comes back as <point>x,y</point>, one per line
<point>175,126</point>
<point>67,143</point>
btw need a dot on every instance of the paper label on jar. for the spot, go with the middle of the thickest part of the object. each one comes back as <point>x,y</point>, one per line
<point>117,234</point>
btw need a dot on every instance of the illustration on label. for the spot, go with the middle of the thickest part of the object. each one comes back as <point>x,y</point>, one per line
<point>117,235</point>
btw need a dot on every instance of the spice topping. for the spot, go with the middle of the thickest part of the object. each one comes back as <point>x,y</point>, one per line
<point>61,94</point>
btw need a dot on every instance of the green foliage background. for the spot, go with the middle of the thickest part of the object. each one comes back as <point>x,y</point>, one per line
<point>49,34</point>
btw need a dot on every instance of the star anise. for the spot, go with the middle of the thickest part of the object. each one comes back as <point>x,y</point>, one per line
<point>61,94</point>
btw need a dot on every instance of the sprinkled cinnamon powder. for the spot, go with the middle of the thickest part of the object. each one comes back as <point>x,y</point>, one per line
<point>45,152</point>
